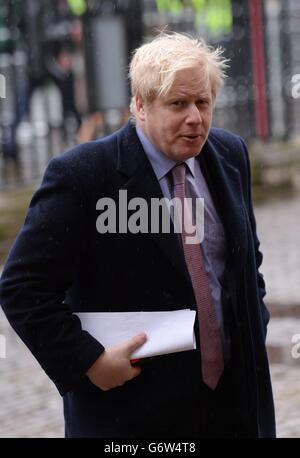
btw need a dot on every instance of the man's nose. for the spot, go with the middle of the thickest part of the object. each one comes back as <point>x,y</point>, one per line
<point>193,115</point>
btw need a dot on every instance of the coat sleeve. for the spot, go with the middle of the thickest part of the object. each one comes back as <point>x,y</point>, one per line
<point>258,254</point>
<point>40,269</point>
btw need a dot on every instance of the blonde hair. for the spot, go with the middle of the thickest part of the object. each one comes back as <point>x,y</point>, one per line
<point>154,65</point>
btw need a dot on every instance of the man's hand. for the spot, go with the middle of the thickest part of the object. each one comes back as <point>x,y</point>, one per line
<point>113,367</point>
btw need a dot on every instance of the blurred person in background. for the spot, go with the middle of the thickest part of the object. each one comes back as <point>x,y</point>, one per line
<point>61,264</point>
<point>60,69</point>
<point>52,32</point>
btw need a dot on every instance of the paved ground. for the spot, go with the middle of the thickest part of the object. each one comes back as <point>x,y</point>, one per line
<point>30,404</point>
<point>31,407</point>
<point>279,232</point>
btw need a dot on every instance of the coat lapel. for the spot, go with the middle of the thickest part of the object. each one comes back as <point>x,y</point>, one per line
<point>142,182</point>
<point>224,183</point>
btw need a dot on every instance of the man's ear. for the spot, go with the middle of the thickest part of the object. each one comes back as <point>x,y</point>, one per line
<point>140,108</point>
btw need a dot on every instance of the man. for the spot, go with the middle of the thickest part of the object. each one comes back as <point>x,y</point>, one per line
<point>60,263</point>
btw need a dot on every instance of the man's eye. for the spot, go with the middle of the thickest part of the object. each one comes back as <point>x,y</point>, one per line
<point>202,102</point>
<point>178,103</point>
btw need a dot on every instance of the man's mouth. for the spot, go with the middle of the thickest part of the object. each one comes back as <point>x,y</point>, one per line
<point>191,136</point>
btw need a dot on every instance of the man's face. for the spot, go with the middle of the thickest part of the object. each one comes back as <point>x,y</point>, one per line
<point>178,124</point>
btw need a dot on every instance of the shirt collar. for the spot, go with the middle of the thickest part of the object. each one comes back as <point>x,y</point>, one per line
<point>161,163</point>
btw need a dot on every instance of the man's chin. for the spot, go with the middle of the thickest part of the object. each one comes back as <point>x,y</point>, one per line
<point>183,155</point>
<point>189,152</point>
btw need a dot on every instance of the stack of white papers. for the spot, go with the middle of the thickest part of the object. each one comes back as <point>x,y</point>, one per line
<point>167,332</point>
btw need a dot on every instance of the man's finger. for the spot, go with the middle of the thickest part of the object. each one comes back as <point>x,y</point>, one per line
<point>135,372</point>
<point>135,343</point>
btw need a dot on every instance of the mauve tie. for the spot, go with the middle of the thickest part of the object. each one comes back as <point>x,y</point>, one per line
<point>212,361</point>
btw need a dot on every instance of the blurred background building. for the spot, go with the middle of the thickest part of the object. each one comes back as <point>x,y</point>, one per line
<point>65,68</point>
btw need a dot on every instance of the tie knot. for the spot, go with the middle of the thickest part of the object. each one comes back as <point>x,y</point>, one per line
<point>178,173</point>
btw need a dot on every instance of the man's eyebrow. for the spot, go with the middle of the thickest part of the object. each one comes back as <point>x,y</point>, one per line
<point>204,97</point>
<point>185,96</point>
